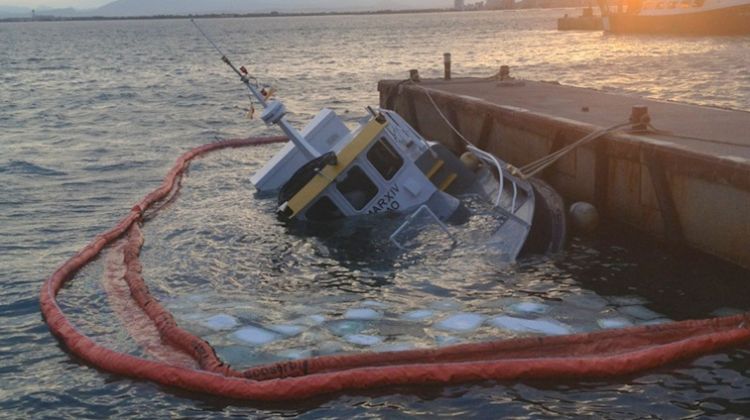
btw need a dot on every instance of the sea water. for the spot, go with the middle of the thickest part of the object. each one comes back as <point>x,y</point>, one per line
<point>92,114</point>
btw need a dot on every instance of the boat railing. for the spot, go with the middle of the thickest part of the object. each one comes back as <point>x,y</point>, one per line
<point>492,160</point>
<point>422,209</point>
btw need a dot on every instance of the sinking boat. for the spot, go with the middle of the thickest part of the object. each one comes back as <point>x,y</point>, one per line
<point>689,17</point>
<point>328,172</point>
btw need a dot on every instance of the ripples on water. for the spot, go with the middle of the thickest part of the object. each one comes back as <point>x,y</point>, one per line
<point>93,114</point>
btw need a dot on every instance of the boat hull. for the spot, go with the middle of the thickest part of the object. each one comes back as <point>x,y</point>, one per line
<point>549,229</point>
<point>727,21</point>
<point>579,23</point>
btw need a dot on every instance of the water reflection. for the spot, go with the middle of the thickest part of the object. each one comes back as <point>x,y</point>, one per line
<point>95,112</point>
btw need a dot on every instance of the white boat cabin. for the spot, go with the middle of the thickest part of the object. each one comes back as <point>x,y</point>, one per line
<point>374,169</point>
<point>328,172</point>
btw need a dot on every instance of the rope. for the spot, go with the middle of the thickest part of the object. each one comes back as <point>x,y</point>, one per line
<point>667,133</point>
<point>533,168</point>
<point>445,119</point>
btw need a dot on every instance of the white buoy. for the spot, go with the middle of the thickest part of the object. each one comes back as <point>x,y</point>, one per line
<point>221,322</point>
<point>471,161</point>
<point>460,322</point>
<point>363,314</point>
<point>584,217</point>
<point>255,336</point>
<point>418,315</point>
<point>289,330</point>
<point>363,339</point>
<point>537,326</point>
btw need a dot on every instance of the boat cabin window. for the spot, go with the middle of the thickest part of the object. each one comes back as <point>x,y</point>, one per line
<point>357,188</point>
<point>385,159</point>
<point>323,210</point>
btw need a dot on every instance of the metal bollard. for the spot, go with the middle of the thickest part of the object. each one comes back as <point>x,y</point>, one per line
<point>414,75</point>
<point>504,73</point>
<point>639,117</point>
<point>447,64</point>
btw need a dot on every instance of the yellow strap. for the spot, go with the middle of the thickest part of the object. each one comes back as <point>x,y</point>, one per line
<point>436,167</point>
<point>323,179</point>
<point>447,182</point>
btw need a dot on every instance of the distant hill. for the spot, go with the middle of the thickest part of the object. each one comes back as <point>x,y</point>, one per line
<point>129,8</point>
<point>183,7</point>
<point>25,12</point>
<point>14,11</point>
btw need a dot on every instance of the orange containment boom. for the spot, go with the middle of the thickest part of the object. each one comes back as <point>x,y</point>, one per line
<point>594,355</point>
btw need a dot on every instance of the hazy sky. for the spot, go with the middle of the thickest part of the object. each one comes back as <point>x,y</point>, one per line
<point>78,4</point>
<point>90,4</point>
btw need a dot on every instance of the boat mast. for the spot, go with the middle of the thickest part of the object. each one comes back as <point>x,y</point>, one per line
<point>274,111</point>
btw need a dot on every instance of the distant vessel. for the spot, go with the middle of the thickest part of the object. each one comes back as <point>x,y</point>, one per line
<point>586,22</point>
<point>690,17</point>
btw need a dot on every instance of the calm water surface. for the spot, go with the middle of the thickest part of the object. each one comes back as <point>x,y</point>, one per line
<point>92,114</point>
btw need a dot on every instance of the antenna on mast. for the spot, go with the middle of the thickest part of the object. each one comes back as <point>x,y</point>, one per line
<point>274,111</point>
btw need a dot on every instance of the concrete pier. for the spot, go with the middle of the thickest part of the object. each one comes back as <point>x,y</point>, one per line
<point>687,185</point>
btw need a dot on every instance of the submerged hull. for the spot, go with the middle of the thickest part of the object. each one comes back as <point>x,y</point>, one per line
<point>549,229</point>
<point>725,21</point>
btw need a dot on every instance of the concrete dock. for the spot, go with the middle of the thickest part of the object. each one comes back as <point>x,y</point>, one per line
<point>688,184</point>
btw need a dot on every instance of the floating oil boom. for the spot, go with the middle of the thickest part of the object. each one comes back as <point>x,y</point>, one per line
<point>604,354</point>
